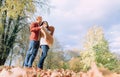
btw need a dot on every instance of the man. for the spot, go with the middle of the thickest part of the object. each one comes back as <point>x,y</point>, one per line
<point>34,42</point>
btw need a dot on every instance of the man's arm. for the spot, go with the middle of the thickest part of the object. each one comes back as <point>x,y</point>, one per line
<point>33,28</point>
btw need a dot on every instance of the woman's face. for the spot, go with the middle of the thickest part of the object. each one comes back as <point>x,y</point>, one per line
<point>45,24</point>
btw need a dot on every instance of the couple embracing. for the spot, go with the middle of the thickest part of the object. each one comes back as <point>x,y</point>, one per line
<point>41,36</point>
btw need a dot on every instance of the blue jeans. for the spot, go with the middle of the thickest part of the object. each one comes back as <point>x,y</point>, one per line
<point>45,49</point>
<point>31,53</point>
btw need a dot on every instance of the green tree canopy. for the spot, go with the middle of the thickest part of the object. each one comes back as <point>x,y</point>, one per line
<point>96,49</point>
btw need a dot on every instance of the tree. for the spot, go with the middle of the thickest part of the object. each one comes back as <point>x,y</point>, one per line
<point>93,37</point>
<point>71,54</point>
<point>104,58</point>
<point>75,64</point>
<point>96,49</point>
<point>13,18</point>
<point>20,48</point>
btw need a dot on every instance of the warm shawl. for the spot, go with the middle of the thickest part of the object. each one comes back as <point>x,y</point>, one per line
<point>48,36</point>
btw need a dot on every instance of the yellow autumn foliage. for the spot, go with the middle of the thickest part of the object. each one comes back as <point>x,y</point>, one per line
<point>75,64</point>
<point>17,8</point>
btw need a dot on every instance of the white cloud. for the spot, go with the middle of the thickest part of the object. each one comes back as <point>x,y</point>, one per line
<point>84,9</point>
<point>69,17</point>
<point>118,40</point>
<point>113,30</point>
<point>114,37</point>
<point>115,43</point>
<point>73,37</point>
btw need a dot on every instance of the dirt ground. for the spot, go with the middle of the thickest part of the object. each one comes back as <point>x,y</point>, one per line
<point>35,72</point>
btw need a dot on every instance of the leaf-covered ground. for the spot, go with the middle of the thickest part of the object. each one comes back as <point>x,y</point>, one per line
<point>34,72</point>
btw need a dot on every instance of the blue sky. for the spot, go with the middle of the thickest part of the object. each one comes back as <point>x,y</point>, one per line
<point>72,19</point>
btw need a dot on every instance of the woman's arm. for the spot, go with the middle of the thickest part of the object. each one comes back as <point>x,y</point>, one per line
<point>51,29</point>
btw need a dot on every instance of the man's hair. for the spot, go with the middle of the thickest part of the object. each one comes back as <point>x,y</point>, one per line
<point>39,17</point>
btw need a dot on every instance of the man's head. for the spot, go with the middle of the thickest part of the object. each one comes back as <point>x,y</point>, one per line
<point>39,19</point>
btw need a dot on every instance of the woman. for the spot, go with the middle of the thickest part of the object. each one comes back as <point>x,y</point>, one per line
<point>46,40</point>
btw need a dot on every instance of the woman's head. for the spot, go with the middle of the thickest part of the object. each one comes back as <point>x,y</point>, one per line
<point>45,24</point>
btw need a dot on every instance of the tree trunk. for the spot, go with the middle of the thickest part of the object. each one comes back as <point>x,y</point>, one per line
<point>2,61</point>
<point>8,42</point>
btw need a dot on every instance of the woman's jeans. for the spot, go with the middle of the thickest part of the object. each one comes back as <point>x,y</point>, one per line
<point>31,53</point>
<point>45,49</point>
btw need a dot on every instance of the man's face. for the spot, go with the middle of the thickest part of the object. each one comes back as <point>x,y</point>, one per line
<point>39,20</point>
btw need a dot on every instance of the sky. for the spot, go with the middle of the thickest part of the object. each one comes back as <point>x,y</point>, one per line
<point>72,19</point>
